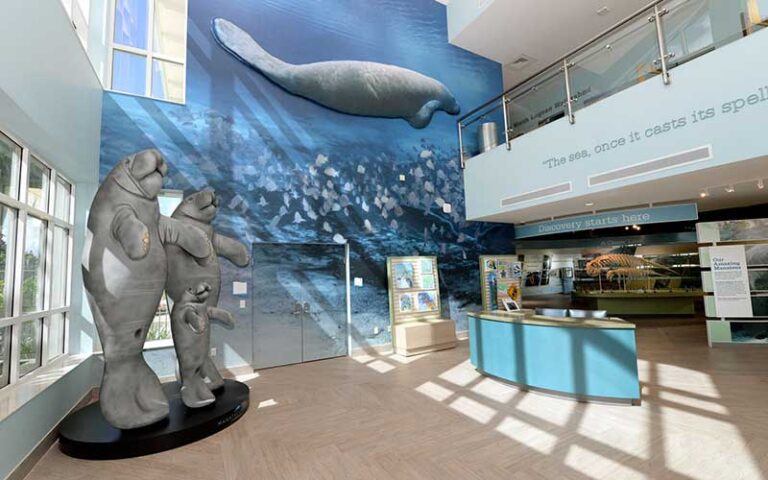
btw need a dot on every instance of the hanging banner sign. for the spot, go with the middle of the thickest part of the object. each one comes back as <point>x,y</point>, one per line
<point>618,218</point>
<point>731,282</point>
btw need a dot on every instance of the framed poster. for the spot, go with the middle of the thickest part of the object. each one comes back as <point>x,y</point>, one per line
<point>731,282</point>
<point>406,302</point>
<point>427,301</point>
<point>403,273</point>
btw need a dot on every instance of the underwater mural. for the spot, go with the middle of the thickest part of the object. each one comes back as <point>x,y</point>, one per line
<point>354,87</point>
<point>286,169</point>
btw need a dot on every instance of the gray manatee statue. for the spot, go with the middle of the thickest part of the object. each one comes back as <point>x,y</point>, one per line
<point>124,272</point>
<point>190,325</point>
<point>185,272</point>
<point>359,88</point>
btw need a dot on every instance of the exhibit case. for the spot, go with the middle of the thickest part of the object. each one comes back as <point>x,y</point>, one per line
<point>500,282</point>
<point>734,258</point>
<point>654,280</point>
<point>414,307</point>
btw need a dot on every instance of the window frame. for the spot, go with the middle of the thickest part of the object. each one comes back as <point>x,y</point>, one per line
<point>17,202</point>
<point>149,54</point>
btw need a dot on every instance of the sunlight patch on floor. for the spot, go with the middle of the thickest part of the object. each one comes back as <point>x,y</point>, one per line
<point>363,358</point>
<point>594,465</point>
<point>695,403</point>
<point>267,403</point>
<point>434,391</point>
<point>474,410</point>
<point>494,390</point>
<point>528,435</point>
<point>548,408</point>
<point>247,376</point>
<point>406,360</point>
<point>380,366</point>
<point>462,374</point>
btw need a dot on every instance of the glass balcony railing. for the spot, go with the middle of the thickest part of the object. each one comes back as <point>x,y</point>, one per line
<point>649,43</point>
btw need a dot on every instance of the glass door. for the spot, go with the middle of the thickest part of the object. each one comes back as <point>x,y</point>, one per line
<point>299,303</point>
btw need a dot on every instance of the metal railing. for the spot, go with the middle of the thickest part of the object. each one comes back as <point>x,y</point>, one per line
<point>649,43</point>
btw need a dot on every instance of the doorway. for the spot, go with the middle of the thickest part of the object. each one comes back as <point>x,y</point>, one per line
<point>300,303</point>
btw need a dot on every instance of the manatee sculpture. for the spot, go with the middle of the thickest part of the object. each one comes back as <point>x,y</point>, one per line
<point>354,87</point>
<point>124,272</point>
<point>190,325</point>
<point>185,272</point>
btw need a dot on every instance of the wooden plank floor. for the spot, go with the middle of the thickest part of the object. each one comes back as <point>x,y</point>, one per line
<point>704,415</point>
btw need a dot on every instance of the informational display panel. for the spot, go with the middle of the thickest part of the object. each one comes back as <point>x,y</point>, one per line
<point>730,282</point>
<point>414,288</point>
<point>500,281</point>
<point>734,261</point>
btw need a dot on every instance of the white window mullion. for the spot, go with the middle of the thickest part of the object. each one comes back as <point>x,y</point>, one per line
<point>150,44</point>
<point>18,268</point>
<point>110,42</point>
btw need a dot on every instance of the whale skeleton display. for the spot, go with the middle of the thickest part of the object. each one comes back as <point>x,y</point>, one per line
<point>355,87</point>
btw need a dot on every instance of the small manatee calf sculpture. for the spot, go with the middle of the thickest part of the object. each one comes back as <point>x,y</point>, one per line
<point>185,272</point>
<point>190,325</point>
<point>358,88</point>
<point>124,273</point>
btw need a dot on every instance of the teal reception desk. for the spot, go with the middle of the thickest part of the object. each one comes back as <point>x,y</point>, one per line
<point>582,358</point>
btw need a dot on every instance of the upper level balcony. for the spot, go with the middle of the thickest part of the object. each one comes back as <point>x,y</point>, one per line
<point>667,105</point>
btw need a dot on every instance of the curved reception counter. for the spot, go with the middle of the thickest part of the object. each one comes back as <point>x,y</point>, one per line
<point>584,358</point>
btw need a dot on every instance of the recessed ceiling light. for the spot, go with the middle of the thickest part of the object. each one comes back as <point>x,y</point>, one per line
<point>730,189</point>
<point>704,194</point>
<point>760,184</point>
<point>589,204</point>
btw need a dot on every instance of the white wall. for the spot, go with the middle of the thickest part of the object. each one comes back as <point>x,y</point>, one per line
<point>50,99</point>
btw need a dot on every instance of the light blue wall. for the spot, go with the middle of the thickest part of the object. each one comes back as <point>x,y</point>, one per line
<point>50,99</point>
<point>461,14</point>
<point>24,429</point>
<point>722,76</point>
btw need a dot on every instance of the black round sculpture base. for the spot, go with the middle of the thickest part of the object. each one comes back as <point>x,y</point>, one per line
<point>86,434</point>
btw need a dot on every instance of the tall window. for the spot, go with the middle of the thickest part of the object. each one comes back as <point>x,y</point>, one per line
<point>36,205</point>
<point>159,334</point>
<point>149,48</point>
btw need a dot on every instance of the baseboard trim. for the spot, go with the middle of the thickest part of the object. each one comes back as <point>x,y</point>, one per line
<point>37,453</point>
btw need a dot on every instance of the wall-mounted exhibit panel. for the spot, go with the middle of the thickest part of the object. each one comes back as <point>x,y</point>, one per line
<point>584,358</point>
<point>735,280</point>
<point>500,282</point>
<point>414,306</point>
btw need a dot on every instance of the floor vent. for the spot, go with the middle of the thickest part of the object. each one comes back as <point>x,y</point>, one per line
<point>652,166</point>
<point>537,194</point>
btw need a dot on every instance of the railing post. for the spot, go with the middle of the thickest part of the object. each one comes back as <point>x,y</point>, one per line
<point>568,96</point>
<point>663,55</point>
<point>462,161</point>
<point>505,110</point>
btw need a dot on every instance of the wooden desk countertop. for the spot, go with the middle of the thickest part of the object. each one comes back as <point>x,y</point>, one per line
<point>564,322</point>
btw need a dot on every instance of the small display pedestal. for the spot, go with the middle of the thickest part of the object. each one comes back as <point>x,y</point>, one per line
<point>414,306</point>
<point>86,434</point>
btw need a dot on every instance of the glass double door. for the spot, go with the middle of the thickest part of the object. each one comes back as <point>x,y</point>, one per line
<point>299,303</point>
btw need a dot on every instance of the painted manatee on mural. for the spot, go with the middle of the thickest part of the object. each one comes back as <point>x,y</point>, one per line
<point>359,88</point>
<point>124,273</point>
<point>185,273</point>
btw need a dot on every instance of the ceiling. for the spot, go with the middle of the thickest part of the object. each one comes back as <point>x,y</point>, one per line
<point>540,31</point>
<point>742,177</point>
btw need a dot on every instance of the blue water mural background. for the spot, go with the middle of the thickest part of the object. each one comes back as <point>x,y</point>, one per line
<point>289,170</point>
